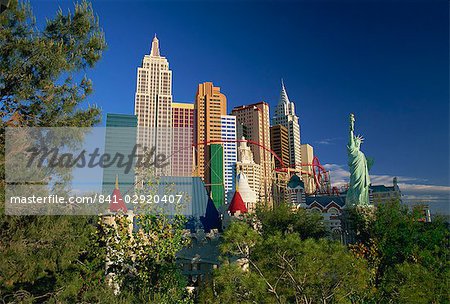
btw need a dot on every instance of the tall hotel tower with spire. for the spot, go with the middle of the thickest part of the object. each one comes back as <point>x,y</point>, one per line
<point>285,116</point>
<point>153,104</point>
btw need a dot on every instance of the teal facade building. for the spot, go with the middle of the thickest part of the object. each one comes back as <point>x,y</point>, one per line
<point>120,137</point>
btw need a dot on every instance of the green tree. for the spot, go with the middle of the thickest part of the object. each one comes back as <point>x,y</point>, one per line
<point>38,68</point>
<point>47,258</point>
<point>283,268</point>
<point>141,262</point>
<point>232,285</point>
<point>404,252</point>
<point>283,219</point>
<point>415,283</point>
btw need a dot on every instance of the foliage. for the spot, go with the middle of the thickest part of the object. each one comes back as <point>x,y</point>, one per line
<point>397,258</point>
<point>239,239</point>
<point>282,219</point>
<point>232,285</point>
<point>405,254</point>
<point>357,221</point>
<point>37,80</point>
<point>48,258</point>
<point>283,268</point>
<point>415,283</point>
<point>141,262</point>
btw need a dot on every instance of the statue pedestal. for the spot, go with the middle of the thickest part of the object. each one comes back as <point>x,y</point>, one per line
<point>355,223</point>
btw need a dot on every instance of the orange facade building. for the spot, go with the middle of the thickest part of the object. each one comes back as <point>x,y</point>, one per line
<point>210,105</point>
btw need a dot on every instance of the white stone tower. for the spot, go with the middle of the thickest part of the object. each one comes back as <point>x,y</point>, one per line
<point>153,104</point>
<point>285,116</point>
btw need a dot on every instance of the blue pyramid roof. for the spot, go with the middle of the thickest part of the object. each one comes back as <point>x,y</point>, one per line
<point>211,220</point>
<point>295,181</point>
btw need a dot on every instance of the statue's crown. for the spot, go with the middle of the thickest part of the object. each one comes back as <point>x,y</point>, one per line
<point>360,138</point>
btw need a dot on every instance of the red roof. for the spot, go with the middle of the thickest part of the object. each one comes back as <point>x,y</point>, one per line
<point>237,204</point>
<point>117,202</point>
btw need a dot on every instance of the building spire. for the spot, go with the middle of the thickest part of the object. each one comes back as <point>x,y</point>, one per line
<point>117,182</point>
<point>284,99</point>
<point>155,47</point>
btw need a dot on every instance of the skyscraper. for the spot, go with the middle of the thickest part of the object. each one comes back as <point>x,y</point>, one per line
<point>183,138</point>
<point>229,154</point>
<point>285,115</point>
<point>120,137</point>
<point>279,142</point>
<point>209,107</point>
<point>153,104</point>
<point>307,176</point>
<point>254,120</point>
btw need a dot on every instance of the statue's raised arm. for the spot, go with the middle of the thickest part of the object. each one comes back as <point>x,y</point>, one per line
<point>352,122</point>
<point>351,137</point>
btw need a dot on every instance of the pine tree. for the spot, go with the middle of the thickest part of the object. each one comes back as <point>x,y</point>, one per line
<point>47,258</point>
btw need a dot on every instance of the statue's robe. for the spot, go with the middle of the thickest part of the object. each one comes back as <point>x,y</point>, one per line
<point>358,192</point>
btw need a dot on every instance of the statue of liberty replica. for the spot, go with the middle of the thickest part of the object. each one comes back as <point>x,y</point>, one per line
<point>356,213</point>
<point>359,165</point>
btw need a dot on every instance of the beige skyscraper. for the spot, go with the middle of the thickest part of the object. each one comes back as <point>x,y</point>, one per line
<point>210,105</point>
<point>253,123</point>
<point>153,104</point>
<point>307,177</point>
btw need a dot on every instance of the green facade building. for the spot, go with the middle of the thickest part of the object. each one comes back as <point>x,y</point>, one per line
<point>216,174</point>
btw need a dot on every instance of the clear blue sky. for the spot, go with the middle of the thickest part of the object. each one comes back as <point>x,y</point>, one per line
<point>386,61</point>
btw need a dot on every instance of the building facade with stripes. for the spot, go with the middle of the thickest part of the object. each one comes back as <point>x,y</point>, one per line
<point>228,125</point>
<point>182,139</point>
<point>153,105</point>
